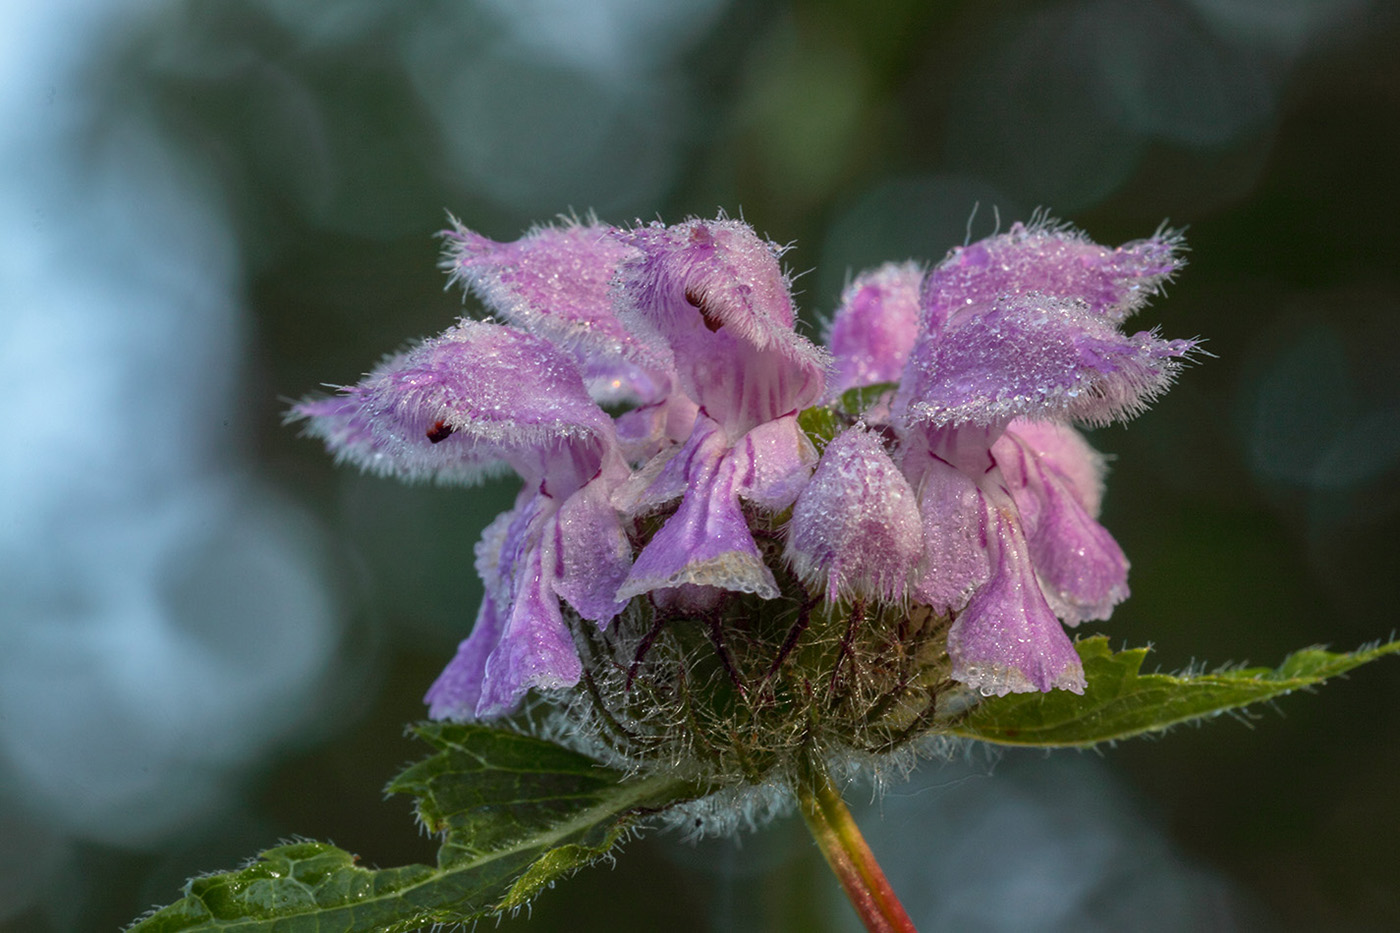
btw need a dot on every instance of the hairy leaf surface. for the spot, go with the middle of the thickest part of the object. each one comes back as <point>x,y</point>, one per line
<point>514,812</point>
<point>1120,701</point>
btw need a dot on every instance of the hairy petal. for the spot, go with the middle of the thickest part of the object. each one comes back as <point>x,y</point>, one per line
<point>457,690</point>
<point>1007,640</point>
<point>707,541</point>
<point>535,649</point>
<point>1054,260</point>
<point>875,327</point>
<point>647,430</point>
<point>856,527</point>
<point>1038,357</point>
<point>664,478</point>
<point>528,558</point>
<point>556,283</point>
<point>460,403</point>
<point>714,295</point>
<point>594,553</point>
<point>1064,449</point>
<point>773,463</point>
<point>1081,568</point>
<point>955,546</point>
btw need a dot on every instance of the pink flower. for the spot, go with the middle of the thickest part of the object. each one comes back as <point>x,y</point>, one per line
<point>963,490</point>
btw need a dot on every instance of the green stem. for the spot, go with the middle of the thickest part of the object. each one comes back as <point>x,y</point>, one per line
<point>847,853</point>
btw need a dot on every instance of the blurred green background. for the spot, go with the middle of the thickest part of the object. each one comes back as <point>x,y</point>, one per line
<point>216,207</point>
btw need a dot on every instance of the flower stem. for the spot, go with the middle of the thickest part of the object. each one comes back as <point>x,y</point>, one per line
<point>847,853</point>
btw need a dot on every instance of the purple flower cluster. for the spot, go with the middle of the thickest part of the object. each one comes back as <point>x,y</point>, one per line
<point>963,488</point>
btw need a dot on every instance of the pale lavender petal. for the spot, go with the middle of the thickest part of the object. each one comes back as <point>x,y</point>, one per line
<point>555,282</point>
<point>1056,261</point>
<point>665,477</point>
<point>1038,357</point>
<point>1082,570</point>
<point>536,649</point>
<point>1007,640</point>
<point>457,690</point>
<point>1065,449</point>
<point>645,431</point>
<point>457,404</point>
<point>594,553</point>
<point>856,528</point>
<point>875,327</point>
<point>520,640</point>
<point>707,541</point>
<point>955,546</point>
<point>714,295</point>
<point>774,462</point>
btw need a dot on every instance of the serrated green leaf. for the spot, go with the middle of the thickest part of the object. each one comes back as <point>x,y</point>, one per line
<point>515,814</point>
<point>1120,702</point>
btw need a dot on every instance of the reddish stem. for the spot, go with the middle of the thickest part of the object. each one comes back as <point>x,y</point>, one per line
<point>848,855</point>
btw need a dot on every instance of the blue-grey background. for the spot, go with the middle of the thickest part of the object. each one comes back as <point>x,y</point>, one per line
<point>210,637</point>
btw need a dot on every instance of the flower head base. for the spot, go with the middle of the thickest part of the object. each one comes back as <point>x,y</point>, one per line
<point>690,577</point>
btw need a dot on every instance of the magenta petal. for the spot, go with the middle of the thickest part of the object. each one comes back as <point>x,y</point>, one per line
<point>459,403</point>
<point>875,327</point>
<point>1034,356</point>
<point>1007,640</point>
<point>1082,570</point>
<point>1055,261</point>
<point>556,283</point>
<point>773,462</point>
<point>594,554</point>
<point>713,293</point>
<point>520,640</point>
<point>856,529</point>
<point>707,541</point>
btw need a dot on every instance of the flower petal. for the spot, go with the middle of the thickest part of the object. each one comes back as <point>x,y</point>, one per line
<point>536,649</point>
<point>712,293</point>
<point>664,478</point>
<point>707,541</point>
<point>1056,261</point>
<point>457,690</point>
<point>955,547</point>
<point>774,462</point>
<point>556,283</point>
<point>594,553</point>
<point>1007,640</point>
<point>1064,449</point>
<point>875,327</point>
<point>856,528</point>
<point>457,404</point>
<point>1034,356</point>
<point>1082,570</point>
<point>647,430</point>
